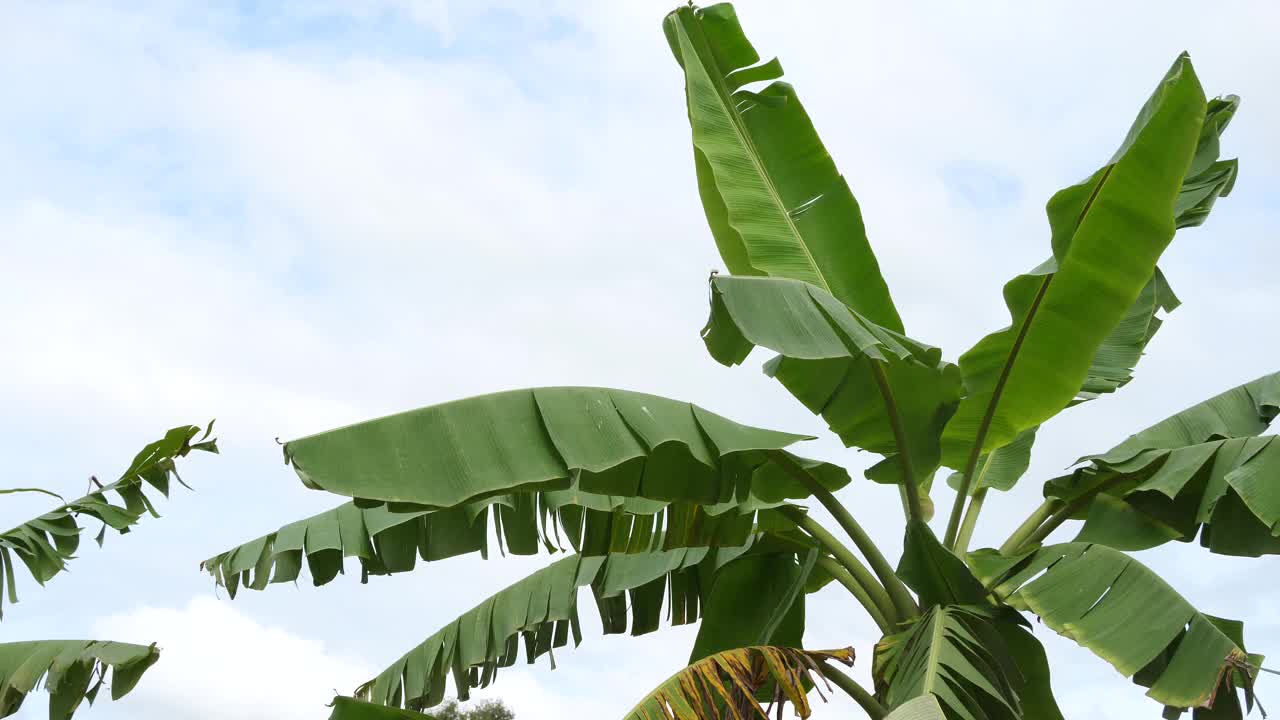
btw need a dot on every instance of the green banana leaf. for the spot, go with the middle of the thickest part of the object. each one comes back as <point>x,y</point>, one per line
<point>954,653</point>
<point>1035,691</point>
<point>938,576</point>
<point>589,440</point>
<point>1124,613</point>
<point>1114,362</point>
<point>72,670</point>
<point>773,197</point>
<point>45,544</point>
<point>727,684</point>
<point>1206,180</point>
<point>1064,310</point>
<point>925,707</point>
<point>756,599</point>
<point>1118,355</point>
<point>345,708</point>
<point>1000,469</point>
<point>827,355</point>
<point>387,540</point>
<point>1207,466</point>
<point>542,610</point>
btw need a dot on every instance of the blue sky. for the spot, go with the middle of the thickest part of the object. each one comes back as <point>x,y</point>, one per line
<point>292,216</point>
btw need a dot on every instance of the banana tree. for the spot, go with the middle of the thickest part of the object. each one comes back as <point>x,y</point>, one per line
<point>667,510</point>
<point>76,670</point>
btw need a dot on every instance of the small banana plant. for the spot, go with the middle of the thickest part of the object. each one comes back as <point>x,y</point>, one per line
<point>76,670</point>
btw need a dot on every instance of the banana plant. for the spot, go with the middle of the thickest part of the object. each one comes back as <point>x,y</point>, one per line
<point>666,510</point>
<point>76,670</point>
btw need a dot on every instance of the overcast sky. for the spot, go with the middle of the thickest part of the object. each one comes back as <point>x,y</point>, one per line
<point>296,215</point>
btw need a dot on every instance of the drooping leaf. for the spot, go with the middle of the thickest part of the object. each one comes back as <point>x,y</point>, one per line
<point>1243,411</point>
<point>1000,469</point>
<point>1209,177</point>
<point>826,355</point>
<point>1107,234</point>
<point>589,440</point>
<point>1034,690</point>
<point>389,539</point>
<point>955,654</point>
<point>725,685</point>
<point>936,574</point>
<point>755,599</point>
<point>72,671</point>
<point>1123,612</point>
<point>542,611</point>
<point>774,199</point>
<point>1206,466</point>
<point>385,542</point>
<point>45,544</point>
<point>1118,355</point>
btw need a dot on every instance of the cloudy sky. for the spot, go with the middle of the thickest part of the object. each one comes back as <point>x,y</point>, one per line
<point>292,216</point>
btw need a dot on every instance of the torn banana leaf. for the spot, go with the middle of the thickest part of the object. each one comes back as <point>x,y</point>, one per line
<point>955,653</point>
<point>588,440</point>
<point>1063,311</point>
<point>774,200</point>
<point>725,685</point>
<point>1206,466</point>
<point>541,610</point>
<point>72,671</point>
<point>1123,612</point>
<point>1115,359</point>
<point>387,540</point>
<point>48,542</point>
<point>828,360</point>
<point>1206,180</point>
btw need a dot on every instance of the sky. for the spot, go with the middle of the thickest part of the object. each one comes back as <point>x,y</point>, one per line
<point>292,216</point>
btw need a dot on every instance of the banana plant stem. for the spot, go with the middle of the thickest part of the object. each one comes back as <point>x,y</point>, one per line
<point>970,522</point>
<point>902,600</point>
<point>980,439</point>
<point>869,704</point>
<point>1056,512</point>
<point>845,557</point>
<point>859,592</point>
<point>1028,526</point>
<point>1059,516</point>
<point>914,511</point>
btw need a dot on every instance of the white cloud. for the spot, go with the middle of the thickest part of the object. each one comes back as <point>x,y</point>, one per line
<point>216,662</point>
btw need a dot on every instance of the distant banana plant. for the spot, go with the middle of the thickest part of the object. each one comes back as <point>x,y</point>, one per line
<point>76,670</point>
<point>673,511</point>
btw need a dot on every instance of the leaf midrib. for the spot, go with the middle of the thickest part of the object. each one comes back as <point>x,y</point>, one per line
<point>935,644</point>
<point>998,391</point>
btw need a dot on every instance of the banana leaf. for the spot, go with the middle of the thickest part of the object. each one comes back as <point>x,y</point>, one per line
<point>1206,469</point>
<point>1125,614</point>
<point>590,440</point>
<point>774,200</point>
<point>72,671</point>
<point>829,359</point>
<point>47,543</point>
<point>1064,310</point>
